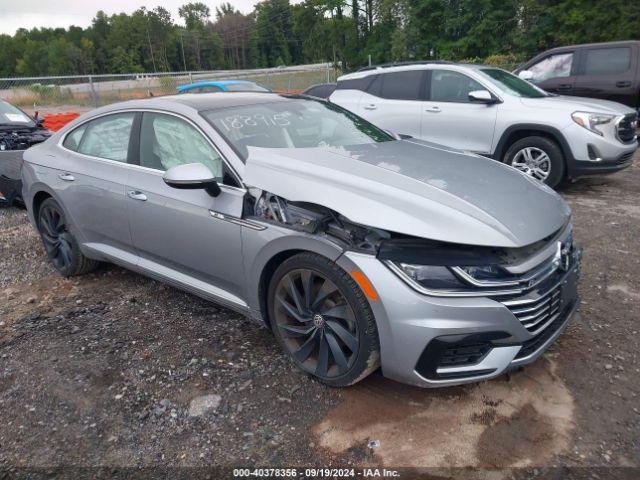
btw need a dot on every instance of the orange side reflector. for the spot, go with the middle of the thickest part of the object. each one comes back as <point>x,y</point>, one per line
<point>365,285</point>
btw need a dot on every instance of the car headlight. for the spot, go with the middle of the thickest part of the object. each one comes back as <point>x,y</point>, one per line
<point>455,279</point>
<point>430,276</point>
<point>590,120</point>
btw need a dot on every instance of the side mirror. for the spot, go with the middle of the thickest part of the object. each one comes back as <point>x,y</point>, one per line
<point>526,75</point>
<point>481,96</point>
<point>393,134</point>
<point>192,176</point>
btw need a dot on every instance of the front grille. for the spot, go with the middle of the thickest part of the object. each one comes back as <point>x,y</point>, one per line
<point>626,128</point>
<point>533,345</point>
<point>536,313</point>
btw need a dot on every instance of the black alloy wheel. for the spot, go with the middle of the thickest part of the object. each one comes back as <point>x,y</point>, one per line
<point>59,242</point>
<point>323,321</point>
<point>55,236</point>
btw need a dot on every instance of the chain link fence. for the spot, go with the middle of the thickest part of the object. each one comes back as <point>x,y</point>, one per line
<point>90,91</point>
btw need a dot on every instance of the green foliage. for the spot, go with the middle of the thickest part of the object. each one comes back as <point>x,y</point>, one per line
<point>498,32</point>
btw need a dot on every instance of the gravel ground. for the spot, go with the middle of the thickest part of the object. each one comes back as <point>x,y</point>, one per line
<point>114,369</point>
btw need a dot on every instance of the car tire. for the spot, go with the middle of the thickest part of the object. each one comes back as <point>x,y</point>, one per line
<point>326,327</point>
<point>537,148</point>
<point>60,244</point>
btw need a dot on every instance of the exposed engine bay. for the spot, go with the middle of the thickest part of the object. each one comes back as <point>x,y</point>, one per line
<point>13,142</point>
<point>21,138</point>
<point>312,218</point>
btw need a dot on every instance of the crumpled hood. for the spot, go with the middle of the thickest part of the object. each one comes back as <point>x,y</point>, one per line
<point>574,104</point>
<point>415,188</point>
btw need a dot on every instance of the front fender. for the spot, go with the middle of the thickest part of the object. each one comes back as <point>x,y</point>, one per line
<point>259,247</point>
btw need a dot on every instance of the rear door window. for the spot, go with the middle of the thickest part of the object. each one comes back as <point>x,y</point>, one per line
<point>553,66</point>
<point>607,61</point>
<point>399,85</point>
<point>105,137</point>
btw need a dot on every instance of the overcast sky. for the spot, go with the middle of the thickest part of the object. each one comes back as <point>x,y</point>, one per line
<point>16,14</point>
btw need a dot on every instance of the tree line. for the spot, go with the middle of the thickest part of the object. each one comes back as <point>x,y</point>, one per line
<point>347,31</point>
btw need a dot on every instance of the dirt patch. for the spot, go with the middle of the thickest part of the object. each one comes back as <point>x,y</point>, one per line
<point>519,420</point>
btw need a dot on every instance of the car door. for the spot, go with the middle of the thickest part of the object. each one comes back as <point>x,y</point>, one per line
<point>608,72</point>
<point>91,178</point>
<point>555,73</point>
<point>450,118</point>
<point>182,235</point>
<point>393,101</point>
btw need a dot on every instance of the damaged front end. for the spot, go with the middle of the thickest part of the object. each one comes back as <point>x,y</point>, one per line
<point>316,219</point>
<point>13,143</point>
<point>430,267</point>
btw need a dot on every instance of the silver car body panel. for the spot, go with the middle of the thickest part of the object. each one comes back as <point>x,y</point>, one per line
<point>206,246</point>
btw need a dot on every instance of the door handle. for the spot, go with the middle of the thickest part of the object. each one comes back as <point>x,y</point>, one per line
<point>136,195</point>
<point>67,177</point>
<point>623,84</point>
<point>371,106</point>
<point>433,109</point>
<point>565,86</point>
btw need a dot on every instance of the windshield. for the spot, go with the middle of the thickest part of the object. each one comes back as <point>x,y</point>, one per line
<point>245,87</point>
<point>10,115</point>
<point>295,123</point>
<point>511,84</point>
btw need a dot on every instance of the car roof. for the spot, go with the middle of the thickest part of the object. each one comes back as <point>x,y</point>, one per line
<point>375,70</point>
<point>589,45</point>
<point>199,101</point>
<point>214,83</point>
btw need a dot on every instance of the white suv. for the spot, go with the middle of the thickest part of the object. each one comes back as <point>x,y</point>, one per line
<point>489,111</point>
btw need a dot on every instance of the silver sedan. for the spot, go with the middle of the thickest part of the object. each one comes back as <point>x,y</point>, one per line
<point>355,247</point>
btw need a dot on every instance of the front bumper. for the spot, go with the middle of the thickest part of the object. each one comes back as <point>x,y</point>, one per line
<point>595,155</point>
<point>422,338</point>
<point>603,167</point>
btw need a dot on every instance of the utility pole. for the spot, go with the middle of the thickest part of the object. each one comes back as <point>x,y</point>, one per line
<point>184,62</point>
<point>153,60</point>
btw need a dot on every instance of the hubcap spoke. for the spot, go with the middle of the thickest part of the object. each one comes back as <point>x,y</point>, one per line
<point>290,310</point>
<point>338,311</point>
<point>307,285</point>
<point>326,290</point>
<point>323,356</point>
<point>293,291</point>
<point>343,334</point>
<point>297,331</point>
<point>307,347</point>
<point>336,352</point>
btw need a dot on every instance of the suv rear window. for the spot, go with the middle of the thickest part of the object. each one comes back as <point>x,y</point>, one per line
<point>605,61</point>
<point>405,85</point>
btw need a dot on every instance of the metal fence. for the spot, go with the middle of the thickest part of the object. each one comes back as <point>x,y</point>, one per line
<point>88,91</point>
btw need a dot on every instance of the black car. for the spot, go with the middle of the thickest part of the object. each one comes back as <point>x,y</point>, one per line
<point>321,90</point>
<point>18,132</point>
<point>610,71</point>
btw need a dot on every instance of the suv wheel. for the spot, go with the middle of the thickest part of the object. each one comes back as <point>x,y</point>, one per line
<point>322,319</point>
<point>61,246</point>
<point>538,157</point>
